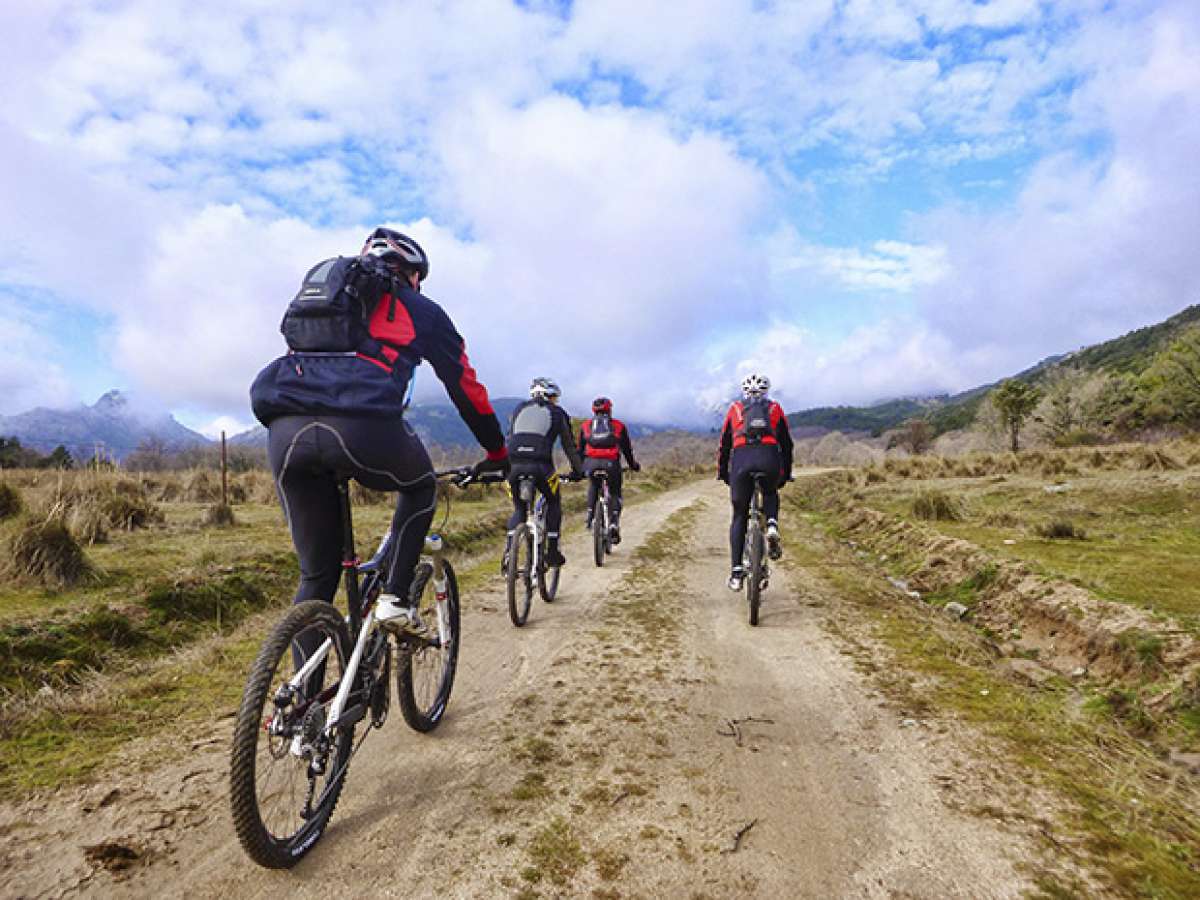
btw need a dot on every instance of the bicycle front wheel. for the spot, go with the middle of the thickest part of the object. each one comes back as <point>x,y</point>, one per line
<point>425,673</point>
<point>286,773</point>
<point>548,581</point>
<point>520,575</point>
<point>754,571</point>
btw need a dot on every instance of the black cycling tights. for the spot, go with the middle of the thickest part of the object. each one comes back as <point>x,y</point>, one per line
<point>613,468</point>
<point>743,465</point>
<point>309,453</point>
<point>541,473</point>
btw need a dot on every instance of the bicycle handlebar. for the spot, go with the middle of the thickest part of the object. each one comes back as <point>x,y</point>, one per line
<point>465,475</point>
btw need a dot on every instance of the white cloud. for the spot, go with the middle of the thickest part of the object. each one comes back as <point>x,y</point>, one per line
<point>1092,247</point>
<point>889,266</point>
<point>230,425</point>
<point>178,167</point>
<point>29,372</point>
<point>893,357</point>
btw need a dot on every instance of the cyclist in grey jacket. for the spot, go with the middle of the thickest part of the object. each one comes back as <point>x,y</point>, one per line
<point>536,425</point>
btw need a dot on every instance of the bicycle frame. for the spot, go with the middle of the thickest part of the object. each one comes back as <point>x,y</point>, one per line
<point>535,514</point>
<point>604,498</point>
<point>361,604</point>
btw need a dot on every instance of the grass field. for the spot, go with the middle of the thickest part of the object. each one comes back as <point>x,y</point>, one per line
<point>1130,537</point>
<point>1111,749</point>
<point>163,625</point>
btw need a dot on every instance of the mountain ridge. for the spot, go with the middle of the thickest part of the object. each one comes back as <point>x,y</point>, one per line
<point>113,425</point>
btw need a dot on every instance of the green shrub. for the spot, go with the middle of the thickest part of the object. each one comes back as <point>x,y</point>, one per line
<point>1142,649</point>
<point>1126,705</point>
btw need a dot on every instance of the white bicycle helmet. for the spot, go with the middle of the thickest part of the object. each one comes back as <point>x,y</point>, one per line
<point>544,389</point>
<point>755,385</point>
<point>397,250</point>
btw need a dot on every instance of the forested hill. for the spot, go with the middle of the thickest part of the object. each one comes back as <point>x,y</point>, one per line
<point>1130,354</point>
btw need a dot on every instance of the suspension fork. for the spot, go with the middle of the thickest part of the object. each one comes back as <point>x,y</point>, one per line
<point>435,547</point>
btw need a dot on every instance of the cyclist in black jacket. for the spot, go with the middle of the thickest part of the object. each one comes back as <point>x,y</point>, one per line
<point>536,425</point>
<point>338,414</point>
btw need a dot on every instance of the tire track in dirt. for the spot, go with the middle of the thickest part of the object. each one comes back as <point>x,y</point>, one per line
<point>846,801</point>
<point>402,789</point>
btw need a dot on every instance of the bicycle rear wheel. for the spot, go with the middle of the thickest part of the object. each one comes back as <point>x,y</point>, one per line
<point>285,774</point>
<point>754,571</point>
<point>599,532</point>
<point>425,670</point>
<point>520,575</point>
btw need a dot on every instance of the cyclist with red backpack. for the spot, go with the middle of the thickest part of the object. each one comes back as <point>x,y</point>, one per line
<point>604,439</point>
<point>754,440</point>
<point>334,405</point>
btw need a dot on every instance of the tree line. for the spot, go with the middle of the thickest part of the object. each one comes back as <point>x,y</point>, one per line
<point>15,456</point>
<point>1067,406</point>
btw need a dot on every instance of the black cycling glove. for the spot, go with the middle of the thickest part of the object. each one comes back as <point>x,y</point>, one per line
<point>487,466</point>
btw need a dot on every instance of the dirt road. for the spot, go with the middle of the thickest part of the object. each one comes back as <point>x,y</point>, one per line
<point>637,738</point>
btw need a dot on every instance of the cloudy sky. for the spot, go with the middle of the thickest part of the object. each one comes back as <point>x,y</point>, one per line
<point>860,198</point>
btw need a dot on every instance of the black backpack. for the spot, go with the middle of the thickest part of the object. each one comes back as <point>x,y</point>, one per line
<point>602,435</point>
<point>329,314</point>
<point>756,420</point>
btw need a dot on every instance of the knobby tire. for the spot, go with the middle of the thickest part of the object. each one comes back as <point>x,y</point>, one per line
<point>250,737</point>
<point>754,572</point>
<point>519,576</point>
<point>425,717</point>
<point>599,527</point>
<point>548,580</point>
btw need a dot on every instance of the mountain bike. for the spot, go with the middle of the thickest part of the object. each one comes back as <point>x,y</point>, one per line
<point>525,561</point>
<point>754,559</point>
<point>602,528</point>
<point>318,675</point>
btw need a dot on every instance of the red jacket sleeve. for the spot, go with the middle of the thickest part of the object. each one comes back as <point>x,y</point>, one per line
<point>726,444</point>
<point>446,351</point>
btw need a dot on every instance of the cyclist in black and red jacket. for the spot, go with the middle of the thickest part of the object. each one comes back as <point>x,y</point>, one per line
<point>338,414</point>
<point>754,439</point>
<point>603,440</point>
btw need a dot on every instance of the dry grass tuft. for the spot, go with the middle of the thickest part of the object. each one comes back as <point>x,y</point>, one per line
<point>1061,530</point>
<point>45,551</point>
<point>258,487</point>
<point>129,511</point>
<point>1156,459</point>
<point>11,503</point>
<point>88,523</point>
<point>938,506</point>
<point>199,487</point>
<point>219,515</point>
